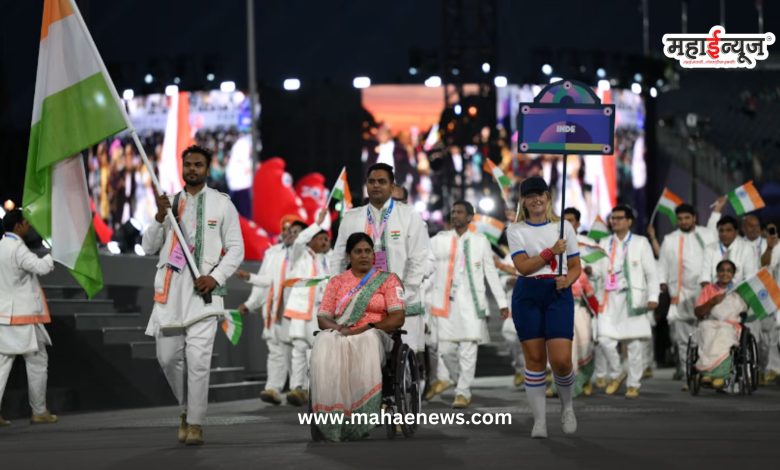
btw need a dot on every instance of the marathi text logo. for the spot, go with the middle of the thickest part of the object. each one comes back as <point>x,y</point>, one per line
<point>717,49</point>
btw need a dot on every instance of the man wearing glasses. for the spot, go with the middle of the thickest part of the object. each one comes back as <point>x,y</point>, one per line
<point>630,284</point>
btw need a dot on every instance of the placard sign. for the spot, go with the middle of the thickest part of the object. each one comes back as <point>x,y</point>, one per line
<point>566,117</point>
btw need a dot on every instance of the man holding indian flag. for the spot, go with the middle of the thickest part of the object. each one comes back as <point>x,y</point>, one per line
<point>680,265</point>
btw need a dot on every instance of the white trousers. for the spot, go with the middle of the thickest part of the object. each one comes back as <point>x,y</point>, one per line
<point>635,360</point>
<point>599,362</point>
<point>301,355</point>
<point>460,360</point>
<point>681,330</point>
<point>516,354</point>
<point>766,334</point>
<point>186,362</point>
<point>774,353</point>
<point>415,332</point>
<point>278,364</point>
<point>37,364</point>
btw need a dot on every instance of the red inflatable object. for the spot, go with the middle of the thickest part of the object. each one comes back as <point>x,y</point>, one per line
<point>311,190</point>
<point>273,196</point>
<point>256,240</point>
<point>102,231</point>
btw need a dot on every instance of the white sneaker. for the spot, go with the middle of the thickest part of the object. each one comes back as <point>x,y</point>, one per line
<point>540,430</point>
<point>568,421</point>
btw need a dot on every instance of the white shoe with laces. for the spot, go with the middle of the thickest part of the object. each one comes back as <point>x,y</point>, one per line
<point>539,430</point>
<point>568,421</point>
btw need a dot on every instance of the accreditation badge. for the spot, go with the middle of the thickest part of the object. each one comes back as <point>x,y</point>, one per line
<point>380,260</point>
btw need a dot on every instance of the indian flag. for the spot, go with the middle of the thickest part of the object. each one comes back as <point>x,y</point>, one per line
<point>745,199</point>
<point>341,191</point>
<point>232,326</point>
<point>667,205</point>
<point>488,226</point>
<point>591,253</point>
<point>598,229</point>
<point>761,293</point>
<point>503,180</point>
<point>75,106</point>
<point>304,282</point>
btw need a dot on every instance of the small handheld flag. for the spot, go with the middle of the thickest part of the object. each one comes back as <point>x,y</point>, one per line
<point>745,199</point>
<point>503,180</point>
<point>341,191</point>
<point>761,293</point>
<point>303,282</point>
<point>488,226</point>
<point>598,229</point>
<point>667,205</point>
<point>232,325</point>
<point>591,253</point>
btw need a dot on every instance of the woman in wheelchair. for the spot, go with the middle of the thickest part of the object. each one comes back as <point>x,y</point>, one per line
<point>359,308</point>
<point>718,329</point>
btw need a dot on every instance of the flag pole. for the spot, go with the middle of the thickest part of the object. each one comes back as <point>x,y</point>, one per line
<point>563,206</point>
<point>652,217</point>
<point>169,213</point>
<point>330,195</point>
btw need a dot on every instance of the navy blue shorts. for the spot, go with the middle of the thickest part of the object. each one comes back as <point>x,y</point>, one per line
<point>540,311</point>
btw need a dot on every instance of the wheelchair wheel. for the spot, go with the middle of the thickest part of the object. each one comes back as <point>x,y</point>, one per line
<point>316,434</point>
<point>752,362</point>
<point>692,376</point>
<point>390,427</point>
<point>407,382</point>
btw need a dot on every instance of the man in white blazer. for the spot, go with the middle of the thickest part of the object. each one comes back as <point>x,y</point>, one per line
<point>629,280</point>
<point>210,225</point>
<point>269,293</point>
<point>401,244</point>
<point>765,330</point>
<point>679,269</point>
<point>731,246</point>
<point>23,312</point>
<point>463,261</point>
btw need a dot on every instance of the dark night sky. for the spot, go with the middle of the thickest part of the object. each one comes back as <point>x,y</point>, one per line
<point>329,41</point>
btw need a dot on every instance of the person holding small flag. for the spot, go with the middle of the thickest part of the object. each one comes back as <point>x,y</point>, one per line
<point>728,246</point>
<point>717,330</point>
<point>629,278</point>
<point>586,306</point>
<point>209,222</point>
<point>767,334</point>
<point>679,270</point>
<point>463,261</point>
<point>309,261</point>
<point>270,294</point>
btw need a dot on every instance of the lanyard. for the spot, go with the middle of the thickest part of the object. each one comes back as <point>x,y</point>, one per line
<point>378,231</point>
<point>675,300</point>
<point>613,251</point>
<point>724,252</point>
<point>352,291</point>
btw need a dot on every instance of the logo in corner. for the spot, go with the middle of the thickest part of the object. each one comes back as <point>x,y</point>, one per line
<point>717,49</point>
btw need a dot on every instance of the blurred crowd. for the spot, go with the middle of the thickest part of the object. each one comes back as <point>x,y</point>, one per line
<point>120,185</point>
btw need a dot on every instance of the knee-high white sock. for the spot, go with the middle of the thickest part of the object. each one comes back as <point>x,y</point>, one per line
<point>565,385</point>
<point>534,390</point>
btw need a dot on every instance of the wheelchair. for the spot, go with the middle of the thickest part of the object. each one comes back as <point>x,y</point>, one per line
<point>400,388</point>
<point>743,376</point>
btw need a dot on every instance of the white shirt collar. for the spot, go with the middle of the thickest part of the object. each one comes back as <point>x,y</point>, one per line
<point>187,195</point>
